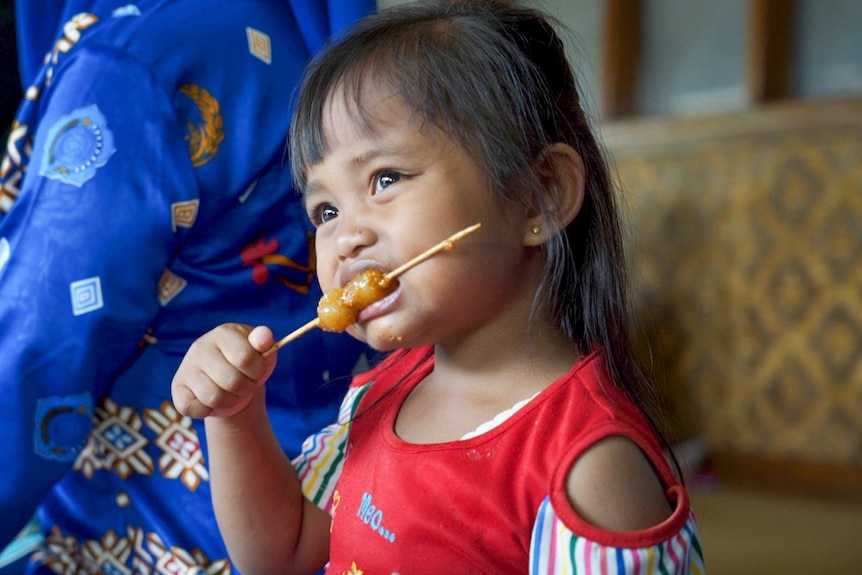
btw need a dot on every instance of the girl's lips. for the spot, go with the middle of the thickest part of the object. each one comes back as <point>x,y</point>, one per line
<point>380,307</point>
<point>347,273</point>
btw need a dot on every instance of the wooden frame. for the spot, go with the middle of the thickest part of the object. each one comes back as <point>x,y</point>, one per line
<point>770,50</point>
<point>769,54</point>
<point>619,57</point>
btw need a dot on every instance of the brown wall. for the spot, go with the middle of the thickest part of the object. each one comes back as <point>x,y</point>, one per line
<point>748,254</point>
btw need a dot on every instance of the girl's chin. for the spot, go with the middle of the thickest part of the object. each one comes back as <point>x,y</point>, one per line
<point>380,338</point>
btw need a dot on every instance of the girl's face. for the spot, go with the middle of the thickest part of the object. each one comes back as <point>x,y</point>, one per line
<point>383,195</point>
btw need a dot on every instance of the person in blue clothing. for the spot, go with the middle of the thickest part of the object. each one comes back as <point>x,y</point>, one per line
<point>145,198</point>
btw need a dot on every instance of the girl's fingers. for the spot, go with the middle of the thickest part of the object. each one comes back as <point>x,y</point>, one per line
<point>221,371</point>
<point>187,403</point>
<point>241,348</point>
<point>234,374</point>
<point>196,395</point>
<point>261,338</point>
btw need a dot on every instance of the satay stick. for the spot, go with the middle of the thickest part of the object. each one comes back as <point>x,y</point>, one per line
<point>293,335</point>
<point>446,244</point>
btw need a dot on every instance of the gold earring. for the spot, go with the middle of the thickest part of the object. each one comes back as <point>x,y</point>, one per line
<point>536,230</point>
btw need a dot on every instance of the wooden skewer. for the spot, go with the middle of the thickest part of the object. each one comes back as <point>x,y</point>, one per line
<point>293,335</point>
<point>446,244</point>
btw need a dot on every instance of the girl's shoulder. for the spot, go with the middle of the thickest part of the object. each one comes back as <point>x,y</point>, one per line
<point>616,487</point>
<point>612,488</point>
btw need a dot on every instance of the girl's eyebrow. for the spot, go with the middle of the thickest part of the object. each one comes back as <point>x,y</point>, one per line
<point>311,188</point>
<point>374,153</point>
<point>383,151</point>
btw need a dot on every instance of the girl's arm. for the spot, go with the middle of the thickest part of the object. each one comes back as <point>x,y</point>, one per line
<point>267,524</point>
<point>612,514</point>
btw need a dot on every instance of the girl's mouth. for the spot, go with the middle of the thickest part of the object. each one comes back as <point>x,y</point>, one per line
<point>380,307</point>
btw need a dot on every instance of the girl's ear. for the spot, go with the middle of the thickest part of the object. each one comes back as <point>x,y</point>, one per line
<point>560,170</point>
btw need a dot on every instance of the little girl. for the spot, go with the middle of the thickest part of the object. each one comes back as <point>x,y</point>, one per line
<point>507,432</point>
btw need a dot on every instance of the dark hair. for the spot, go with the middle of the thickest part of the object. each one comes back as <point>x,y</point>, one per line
<point>495,79</point>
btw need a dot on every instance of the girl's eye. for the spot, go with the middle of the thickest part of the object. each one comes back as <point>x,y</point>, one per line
<point>385,179</point>
<point>323,213</point>
<point>328,213</point>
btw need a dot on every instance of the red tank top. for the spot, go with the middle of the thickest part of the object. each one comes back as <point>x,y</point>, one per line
<point>467,506</point>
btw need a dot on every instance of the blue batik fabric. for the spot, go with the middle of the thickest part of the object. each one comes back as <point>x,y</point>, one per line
<point>146,198</point>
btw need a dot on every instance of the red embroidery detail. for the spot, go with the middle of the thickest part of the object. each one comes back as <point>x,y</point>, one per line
<point>261,254</point>
<point>253,255</point>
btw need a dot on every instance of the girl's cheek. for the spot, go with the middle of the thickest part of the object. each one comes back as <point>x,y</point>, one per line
<point>325,272</point>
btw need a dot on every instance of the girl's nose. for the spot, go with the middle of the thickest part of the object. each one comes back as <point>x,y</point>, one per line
<point>353,239</point>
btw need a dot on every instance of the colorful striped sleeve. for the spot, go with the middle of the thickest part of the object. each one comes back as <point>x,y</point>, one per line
<point>321,458</point>
<point>556,550</point>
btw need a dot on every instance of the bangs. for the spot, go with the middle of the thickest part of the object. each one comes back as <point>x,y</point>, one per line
<point>446,70</point>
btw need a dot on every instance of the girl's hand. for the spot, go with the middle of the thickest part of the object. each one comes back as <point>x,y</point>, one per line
<point>222,370</point>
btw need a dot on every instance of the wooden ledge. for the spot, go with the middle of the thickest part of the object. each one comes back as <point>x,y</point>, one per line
<point>816,479</point>
<point>645,135</point>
